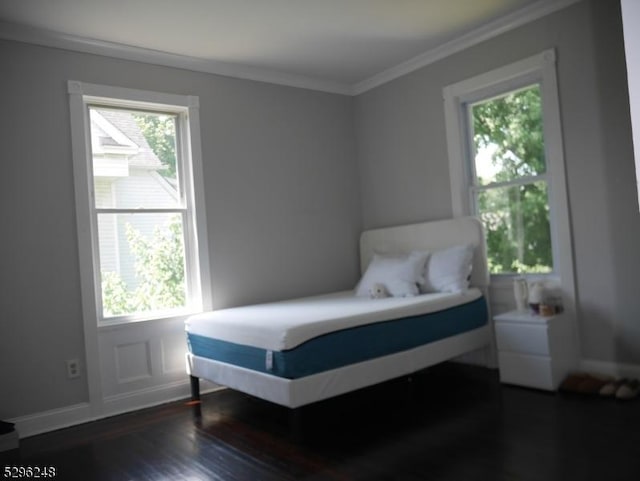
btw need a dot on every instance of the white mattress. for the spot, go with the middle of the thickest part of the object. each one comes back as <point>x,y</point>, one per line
<point>279,326</point>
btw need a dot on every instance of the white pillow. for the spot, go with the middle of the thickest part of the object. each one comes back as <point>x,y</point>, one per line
<point>399,274</point>
<point>448,270</point>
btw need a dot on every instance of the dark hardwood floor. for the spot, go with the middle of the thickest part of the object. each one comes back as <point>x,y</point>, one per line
<point>451,422</point>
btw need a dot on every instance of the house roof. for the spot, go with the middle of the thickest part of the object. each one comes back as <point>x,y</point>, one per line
<point>131,135</point>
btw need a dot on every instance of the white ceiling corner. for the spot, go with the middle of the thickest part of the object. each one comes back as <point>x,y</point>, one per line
<point>338,46</point>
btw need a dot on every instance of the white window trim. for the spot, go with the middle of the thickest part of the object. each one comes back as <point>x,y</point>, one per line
<point>80,95</point>
<point>539,69</point>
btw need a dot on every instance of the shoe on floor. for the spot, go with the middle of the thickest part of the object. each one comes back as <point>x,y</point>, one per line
<point>584,383</point>
<point>628,390</point>
<point>611,388</point>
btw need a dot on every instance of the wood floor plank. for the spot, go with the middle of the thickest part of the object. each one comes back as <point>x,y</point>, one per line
<point>455,423</point>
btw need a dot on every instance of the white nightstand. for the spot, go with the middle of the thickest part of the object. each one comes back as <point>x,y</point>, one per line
<point>533,351</point>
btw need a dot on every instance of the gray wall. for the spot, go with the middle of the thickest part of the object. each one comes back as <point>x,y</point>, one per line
<point>403,166</point>
<point>285,197</point>
<point>282,203</point>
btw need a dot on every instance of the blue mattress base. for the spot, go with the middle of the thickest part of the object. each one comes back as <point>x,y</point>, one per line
<point>348,346</point>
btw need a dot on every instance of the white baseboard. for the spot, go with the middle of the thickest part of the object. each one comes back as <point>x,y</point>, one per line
<point>122,403</point>
<point>38,423</point>
<point>9,441</point>
<point>610,368</point>
<point>51,420</point>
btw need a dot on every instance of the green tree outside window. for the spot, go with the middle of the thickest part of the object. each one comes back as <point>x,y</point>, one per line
<point>510,183</point>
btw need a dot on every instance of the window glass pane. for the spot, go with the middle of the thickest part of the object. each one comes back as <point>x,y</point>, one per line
<point>516,220</point>
<point>507,137</point>
<point>142,263</point>
<point>134,159</point>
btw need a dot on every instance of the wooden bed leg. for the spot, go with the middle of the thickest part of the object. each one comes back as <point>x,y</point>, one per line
<point>295,423</point>
<point>195,388</point>
<point>195,404</point>
<point>411,389</point>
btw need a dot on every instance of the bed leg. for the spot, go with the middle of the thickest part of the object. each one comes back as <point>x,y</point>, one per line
<point>195,388</point>
<point>295,423</point>
<point>411,390</point>
<point>196,411</point>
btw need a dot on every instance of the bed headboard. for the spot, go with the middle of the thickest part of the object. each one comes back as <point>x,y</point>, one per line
<point>429,236</point>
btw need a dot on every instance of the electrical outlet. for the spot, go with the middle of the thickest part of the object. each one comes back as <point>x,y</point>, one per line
<point>73,368</point>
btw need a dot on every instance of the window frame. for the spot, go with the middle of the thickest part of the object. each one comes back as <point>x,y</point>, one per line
<point>82,97</point>
<point>539,69</point>
<point>474,187</point>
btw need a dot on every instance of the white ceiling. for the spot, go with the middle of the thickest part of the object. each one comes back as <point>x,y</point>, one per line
<point>336,42</point>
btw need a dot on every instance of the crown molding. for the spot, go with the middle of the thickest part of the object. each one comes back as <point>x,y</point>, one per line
<point>49,38</point>
<point>485,32</point>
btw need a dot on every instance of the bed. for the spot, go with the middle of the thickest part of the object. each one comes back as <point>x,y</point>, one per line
<point>301,351</point>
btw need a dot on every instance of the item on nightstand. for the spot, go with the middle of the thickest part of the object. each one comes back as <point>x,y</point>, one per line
<point>553,297</point>
<point>378,291</point>
<point>520,293</point>
<point>546,310</point>
<point>536,295</point>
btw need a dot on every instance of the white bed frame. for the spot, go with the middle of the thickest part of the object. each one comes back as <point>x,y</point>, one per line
<point>294,393</point>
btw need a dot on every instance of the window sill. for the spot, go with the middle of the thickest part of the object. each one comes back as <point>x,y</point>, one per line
<point>502,280</point>
<point>153,317</point>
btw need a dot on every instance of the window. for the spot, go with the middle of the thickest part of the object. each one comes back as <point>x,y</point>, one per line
<point>508,180</point>
<point>507,167</point>
<point>139,203</point>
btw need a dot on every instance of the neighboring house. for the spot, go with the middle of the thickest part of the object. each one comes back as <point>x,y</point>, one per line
<point>127,174</point>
